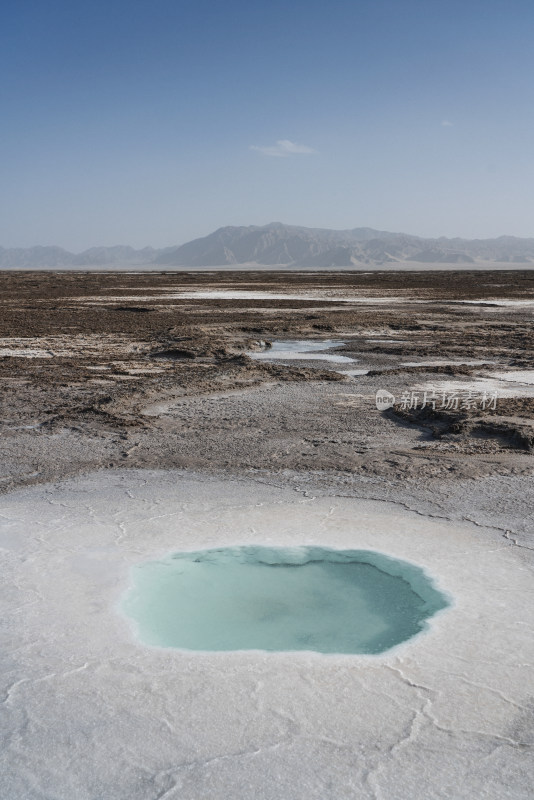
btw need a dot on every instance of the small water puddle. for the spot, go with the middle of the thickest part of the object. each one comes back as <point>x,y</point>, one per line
<point>354,372</point>
<point>301,349</point>
<point>280,599</point>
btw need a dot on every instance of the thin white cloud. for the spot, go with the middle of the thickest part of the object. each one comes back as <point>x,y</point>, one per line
<point>447,124</point>
<point>283,148</point>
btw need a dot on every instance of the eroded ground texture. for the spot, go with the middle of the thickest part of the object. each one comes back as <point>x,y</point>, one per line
<point>108,377</point>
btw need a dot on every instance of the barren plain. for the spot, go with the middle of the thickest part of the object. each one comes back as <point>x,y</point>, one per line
<point>154,370</point>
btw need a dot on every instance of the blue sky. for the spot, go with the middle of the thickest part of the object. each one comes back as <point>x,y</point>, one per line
<point>138,122</point>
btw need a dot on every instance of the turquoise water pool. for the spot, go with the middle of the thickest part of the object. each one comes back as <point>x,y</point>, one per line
<point>280,599</point>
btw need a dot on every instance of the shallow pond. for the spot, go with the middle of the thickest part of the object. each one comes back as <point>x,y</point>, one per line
<point>280,599</point>
<point>302,349</point>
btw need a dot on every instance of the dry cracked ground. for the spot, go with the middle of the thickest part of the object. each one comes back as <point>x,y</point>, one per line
<point>155,370</point>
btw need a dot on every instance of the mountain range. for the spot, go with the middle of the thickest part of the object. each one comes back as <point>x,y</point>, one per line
<point>279,245</point>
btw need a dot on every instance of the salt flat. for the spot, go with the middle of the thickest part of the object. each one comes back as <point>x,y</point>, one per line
<point>90,712</point>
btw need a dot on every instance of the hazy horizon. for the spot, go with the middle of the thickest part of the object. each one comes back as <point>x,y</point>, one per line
<point>152,124</point>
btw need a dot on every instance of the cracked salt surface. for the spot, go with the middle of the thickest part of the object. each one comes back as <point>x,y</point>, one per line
<point>516,376</point>
<point>243,294</point>
<point>501,386</point>
<point>442,362</point>
<point>9,352</point>
<point>232,294</point>
<point>64,346</point>
<point>387,341</point>
<point>500,302</point>
<point>89,712</point>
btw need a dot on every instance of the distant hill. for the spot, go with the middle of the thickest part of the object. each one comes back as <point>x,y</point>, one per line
<point>286,245</point>
<point>279,245</point>
<point>39,257</point>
